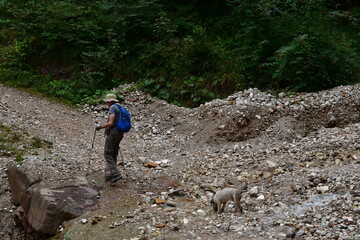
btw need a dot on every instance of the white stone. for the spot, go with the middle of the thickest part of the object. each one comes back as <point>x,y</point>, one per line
<point>260,197</point>
<point>322,189</point>
<point>83,221</point>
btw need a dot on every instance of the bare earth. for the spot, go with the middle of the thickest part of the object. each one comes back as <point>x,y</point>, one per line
<point>299,154</point>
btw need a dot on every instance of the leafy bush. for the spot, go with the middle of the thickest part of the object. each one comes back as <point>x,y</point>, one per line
<point>311,63</point>
<point>294,46</point>
<point>184,52</point>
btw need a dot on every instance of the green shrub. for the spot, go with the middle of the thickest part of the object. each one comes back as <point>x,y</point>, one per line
<point>19,158</point>
<point>184,52</point>
<point>313,63</point>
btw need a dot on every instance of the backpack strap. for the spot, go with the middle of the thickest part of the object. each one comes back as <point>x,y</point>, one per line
<point>119,107</point>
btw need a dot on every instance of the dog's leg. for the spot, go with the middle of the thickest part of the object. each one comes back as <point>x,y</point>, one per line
<point>237,198</point>
<point>223,206</point>
<point>219,207</point>
<point>240,209</point>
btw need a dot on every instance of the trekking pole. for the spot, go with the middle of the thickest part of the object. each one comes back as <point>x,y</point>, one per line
<point>92,145</point>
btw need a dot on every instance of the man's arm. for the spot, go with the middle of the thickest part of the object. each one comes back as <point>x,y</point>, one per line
<point>111,121</point>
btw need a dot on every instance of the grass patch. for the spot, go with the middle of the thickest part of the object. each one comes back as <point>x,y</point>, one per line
<point>19,159</point>
<point>40,143</point>
<point>15,143</point>
<point>36,143</point>
<point>67,235</point>
<point>8,140</point>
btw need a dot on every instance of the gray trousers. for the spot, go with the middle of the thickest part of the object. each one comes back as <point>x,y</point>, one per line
<point>111,149</point>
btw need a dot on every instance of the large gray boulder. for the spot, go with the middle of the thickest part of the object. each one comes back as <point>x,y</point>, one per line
<point>46,209</point>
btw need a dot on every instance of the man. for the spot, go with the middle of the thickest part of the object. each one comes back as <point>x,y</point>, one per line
<point>112,140</point>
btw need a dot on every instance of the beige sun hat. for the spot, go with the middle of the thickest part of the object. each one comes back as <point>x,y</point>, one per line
<point>110,98</point>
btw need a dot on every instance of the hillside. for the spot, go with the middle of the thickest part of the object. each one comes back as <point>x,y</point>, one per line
<point>300,155</point>
<point>185,52</point>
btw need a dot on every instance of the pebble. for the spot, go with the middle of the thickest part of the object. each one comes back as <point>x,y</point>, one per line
<point>84,221</point>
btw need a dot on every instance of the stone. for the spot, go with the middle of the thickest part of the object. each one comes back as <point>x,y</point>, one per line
<point>289,232</point>
<point>299,233</point>
<point>191,234</point>
<point>19,182</point>
<point>83,221</point>
<point>151,165</point>
<point>49,208</point>
<point>271,164</point>
<point>160,225</point>
<point>260,197</point>
<point>46,209</point>
<point>159,201</point>
<point>332,122</point>
<point>322,189</point>
<point>254,192</point>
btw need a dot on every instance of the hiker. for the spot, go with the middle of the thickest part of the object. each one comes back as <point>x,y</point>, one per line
<point>112,140</point>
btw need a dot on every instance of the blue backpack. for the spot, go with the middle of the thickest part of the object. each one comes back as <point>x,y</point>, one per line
<point>124,123</point>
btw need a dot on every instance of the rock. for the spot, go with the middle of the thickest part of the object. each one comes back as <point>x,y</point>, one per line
<point>281,95</point>
<point>299,233</point>
<point>163,163</point>
<point>254,192</point>
<point>175,228</point>
<point>289,232</point>
<point>260,197</point>
<point>151,165</point>
<point>160,225</point>
<point>49,208</point>
<point>332,122</point>
<point>271,164</point>
<point>19,182</point>
<point>159,201</point>
<point>322,189</point>
<point>46,209</point>
<point>176,192</point>
<point>84,221</point>
<point>191,234</point>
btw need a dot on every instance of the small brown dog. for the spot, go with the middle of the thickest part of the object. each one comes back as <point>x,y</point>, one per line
<point>222,196</point>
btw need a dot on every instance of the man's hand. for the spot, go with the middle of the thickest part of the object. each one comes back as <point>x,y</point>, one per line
<point>97,127</point>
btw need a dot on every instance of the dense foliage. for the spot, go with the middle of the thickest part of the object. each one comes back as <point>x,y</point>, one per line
<point>185,52</point>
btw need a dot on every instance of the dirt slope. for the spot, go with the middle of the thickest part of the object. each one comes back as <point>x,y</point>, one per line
<point>300,155</point>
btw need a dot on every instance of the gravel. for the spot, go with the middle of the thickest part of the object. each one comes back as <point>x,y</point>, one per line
<point>300,155</point>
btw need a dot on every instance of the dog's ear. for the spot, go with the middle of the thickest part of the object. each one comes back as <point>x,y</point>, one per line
<point>225,185</point>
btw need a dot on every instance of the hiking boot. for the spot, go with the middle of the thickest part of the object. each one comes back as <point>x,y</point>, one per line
<point>115,178</point>
<point>108,176</point>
